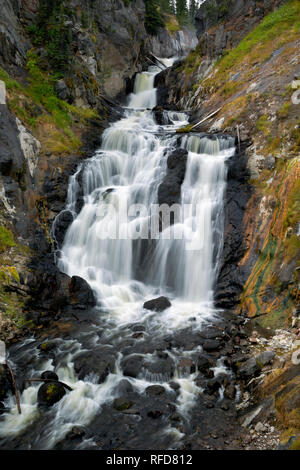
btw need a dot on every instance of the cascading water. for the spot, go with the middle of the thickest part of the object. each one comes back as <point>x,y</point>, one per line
<point>102,246</point>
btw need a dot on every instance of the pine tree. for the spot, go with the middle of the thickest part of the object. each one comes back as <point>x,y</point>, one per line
<point>153,19</point>
<point>182,11</point>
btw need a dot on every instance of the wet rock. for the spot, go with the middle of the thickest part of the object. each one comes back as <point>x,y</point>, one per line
<point>162,368</point>
<point>230,392</point>
<point>155,390</point>
<point>212,386</point>
<point>132,366</point>
<point>265,358</point>
<point>50,393</point>
<point>174,385</point>
<point>203,363</point>
<point>249,369</point>
<point>157,305</point>
<point>158,112</point>
<point>186,367</point>
<point>154,414</point>
<point>96,364</point>
<point>80,292</point>
<point>61,225</point>
<point>125,387</point>
<point>77,432</point>
<point>175,417</point>
<point>49,375</point>
<point>122,404</point>
<point>169,191</point>
<point>211,345</point>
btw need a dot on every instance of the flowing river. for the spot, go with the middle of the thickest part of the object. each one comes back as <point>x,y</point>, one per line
<point>137,348</point>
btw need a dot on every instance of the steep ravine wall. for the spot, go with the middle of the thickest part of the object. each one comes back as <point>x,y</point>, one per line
<point>254,92</point>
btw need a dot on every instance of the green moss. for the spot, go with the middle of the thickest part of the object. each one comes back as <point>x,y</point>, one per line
<point>263,125</point>
<point>284,110</point>
<point>6,239</point>
<point>184,130</point>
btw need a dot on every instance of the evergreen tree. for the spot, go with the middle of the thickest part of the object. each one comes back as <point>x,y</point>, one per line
<point>182,11</point>
<point>153,18</point>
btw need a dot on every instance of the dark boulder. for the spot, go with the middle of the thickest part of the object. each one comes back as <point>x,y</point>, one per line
<point>122,404</point>
<point>211,345</point>
<point>77,432</point>
<point>159,115</point>
<point>49,375</point>
<point>162,367</point>
<point>249,369</point>
<point>157,305</point>
<point>132,366</point>
<point>50,393</point>
<point>61,225</point>
<point>81,292</point>
<point>230,391</point>
<point>155,390</point>
<point>203,363</point>
<point>96,364</point>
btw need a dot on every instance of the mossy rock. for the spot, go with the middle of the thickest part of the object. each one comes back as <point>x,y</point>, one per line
<point>50,393</point>
<point>122,404</point>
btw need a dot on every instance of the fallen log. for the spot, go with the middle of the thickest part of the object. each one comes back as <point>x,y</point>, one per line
<point>206,118</point>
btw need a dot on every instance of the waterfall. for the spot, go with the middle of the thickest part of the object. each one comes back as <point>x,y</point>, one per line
<point>108,245</point>
<point>127,171</point>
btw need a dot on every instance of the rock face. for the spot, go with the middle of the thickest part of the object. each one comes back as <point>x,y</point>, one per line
<point>215,34</point>
<point>232,276</point>
<point>169,191</point>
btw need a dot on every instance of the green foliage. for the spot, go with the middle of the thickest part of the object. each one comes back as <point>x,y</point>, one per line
<point>6,239</point>
<point>153,18</point>
<point>50,30</point>
<point>182,12</point>
<point>218,12</point>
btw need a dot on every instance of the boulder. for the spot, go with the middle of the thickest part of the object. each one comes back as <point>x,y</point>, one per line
<point>265,358</point>
<point>249,369</point>
<point>122,404</point>
<point>50,393</point>
<point>203,363</point>
<point>96,364</point>
<point>157,305</point>
<point>211,345</point>
<point>81,292</point>
<point>155,390</point>
<point>132,366</point>
<point>49,375</point>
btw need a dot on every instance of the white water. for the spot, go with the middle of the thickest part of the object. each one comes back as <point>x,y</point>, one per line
<point>128,170</point>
